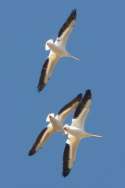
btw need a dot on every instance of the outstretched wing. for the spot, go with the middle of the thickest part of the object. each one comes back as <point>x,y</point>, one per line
<point>66,29</point>
<point>41,140</point>
<point>82,110</point>
<point>47,71</point>
<point>69,107</point>
<point>69,155</point>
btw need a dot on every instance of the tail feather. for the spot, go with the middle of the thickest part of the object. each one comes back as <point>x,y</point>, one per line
<point>96,135</point>
<point>71,56</point>
<point>32,152</point>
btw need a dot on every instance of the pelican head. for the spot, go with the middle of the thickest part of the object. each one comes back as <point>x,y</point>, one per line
<point>48,117</point>
<point>70,130</point>
<point>66,129</point>
<point>55,123</point>
<point>48,43</point>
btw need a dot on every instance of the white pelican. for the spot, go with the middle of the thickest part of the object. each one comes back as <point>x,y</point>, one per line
<point>57,50</point>
<point>76,132</point>
<point>55,123</point>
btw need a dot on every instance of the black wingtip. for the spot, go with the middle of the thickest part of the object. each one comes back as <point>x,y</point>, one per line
<point>66,173</point>
<point>66,169</point>
<point>35,147</point>
<point>88,94</point>
<point>79,97</point>
<point>70,18</point>
<point>40,87</point>
<point>32,152</point>
<point>74,13</point>
<point>42,83</point>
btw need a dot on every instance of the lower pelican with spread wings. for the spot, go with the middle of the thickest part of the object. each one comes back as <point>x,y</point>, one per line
<point>76,132</point>
<point>55,124</point>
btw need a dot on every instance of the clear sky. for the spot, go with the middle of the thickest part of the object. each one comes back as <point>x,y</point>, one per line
<point>99,41</point>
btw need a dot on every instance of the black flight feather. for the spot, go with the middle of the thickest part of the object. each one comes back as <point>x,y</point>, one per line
<point>71,17</point>
<point>66,169</point>
<point>77,98</point>
<point>42,83</point>
<point>34,147</point>
<point>83,102</point>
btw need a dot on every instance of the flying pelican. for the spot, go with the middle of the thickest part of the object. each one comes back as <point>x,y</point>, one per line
<point>55,123</point>
<point>57,50</point>
<point>76,132</point>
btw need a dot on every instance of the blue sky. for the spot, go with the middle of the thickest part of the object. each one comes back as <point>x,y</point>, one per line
<point>99,41</point>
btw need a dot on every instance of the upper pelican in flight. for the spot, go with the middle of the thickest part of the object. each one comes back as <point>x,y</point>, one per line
<point>57,50</point>
<point>76,132</point>
<point>55,124</point>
